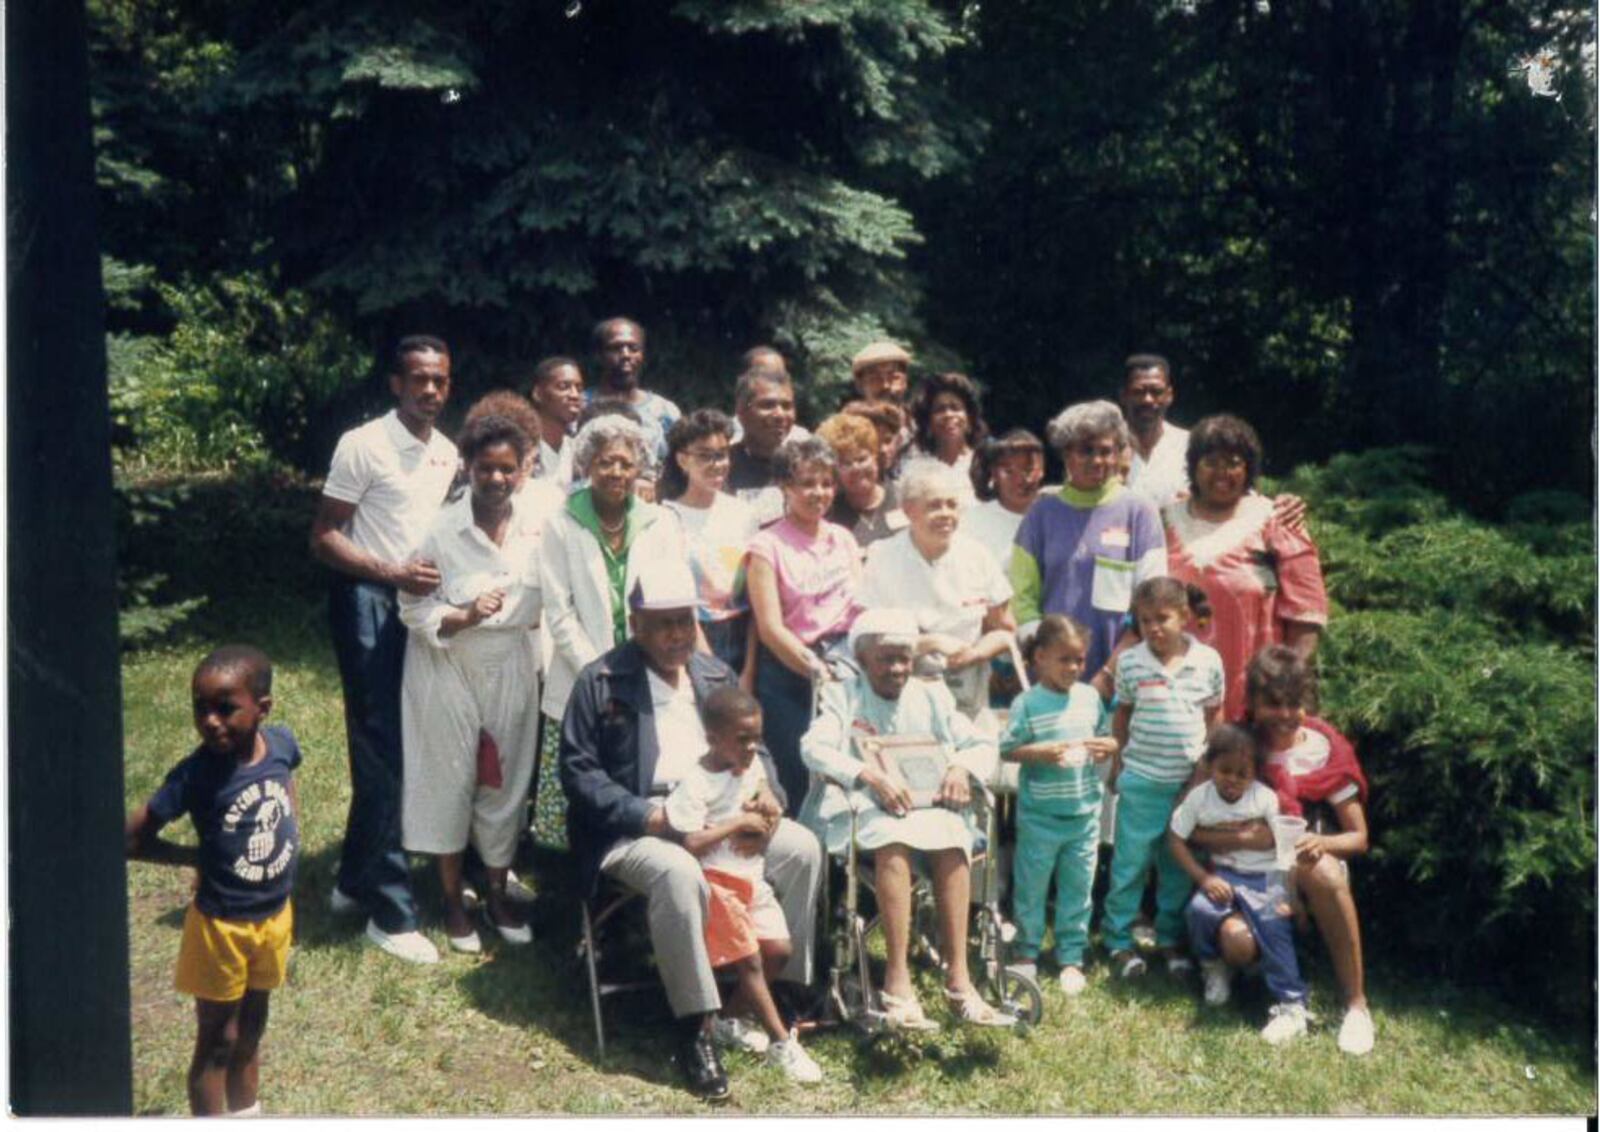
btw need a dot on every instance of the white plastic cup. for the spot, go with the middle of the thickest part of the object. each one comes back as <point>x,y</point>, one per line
<point>1286,830</point>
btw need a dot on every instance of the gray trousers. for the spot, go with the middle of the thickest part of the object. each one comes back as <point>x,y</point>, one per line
<point>670,878</point>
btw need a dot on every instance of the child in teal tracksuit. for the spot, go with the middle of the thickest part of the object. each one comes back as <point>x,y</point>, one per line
<point>1169,695</point>
<point>1057,731</point>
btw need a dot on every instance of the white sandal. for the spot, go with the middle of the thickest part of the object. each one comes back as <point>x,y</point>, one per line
<point>970,1007</point>
<point>905,1013</point>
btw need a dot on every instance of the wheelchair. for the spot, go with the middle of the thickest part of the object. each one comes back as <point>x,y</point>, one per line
<point>851,997</point>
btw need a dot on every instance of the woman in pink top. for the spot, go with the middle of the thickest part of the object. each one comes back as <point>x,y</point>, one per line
<point>803,574</point>
<point>1263,580</point>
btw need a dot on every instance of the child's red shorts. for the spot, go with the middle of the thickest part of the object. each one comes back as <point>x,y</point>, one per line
<point>742,913</point>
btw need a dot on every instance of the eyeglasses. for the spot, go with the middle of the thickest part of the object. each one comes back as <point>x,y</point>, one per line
<point>720,456</point>
<point>1223,462</point>
<point>1097,451</point>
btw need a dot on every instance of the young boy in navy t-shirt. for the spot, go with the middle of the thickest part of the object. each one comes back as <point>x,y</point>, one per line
<point>237,788</point>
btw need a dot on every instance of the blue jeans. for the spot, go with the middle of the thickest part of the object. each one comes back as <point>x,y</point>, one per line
<point>1258,903</point>
<point>785,718</point>
<point>369,641</point>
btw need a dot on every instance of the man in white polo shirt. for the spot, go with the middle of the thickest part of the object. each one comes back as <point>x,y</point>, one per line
<point>1159,472</point>
<point>388,480</point>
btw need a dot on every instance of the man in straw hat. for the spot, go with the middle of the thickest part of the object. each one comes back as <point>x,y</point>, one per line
<point>881,371</point>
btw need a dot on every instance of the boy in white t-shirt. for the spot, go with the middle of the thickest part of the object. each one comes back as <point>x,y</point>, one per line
<point>713,809</point>
<point>1242,891</point>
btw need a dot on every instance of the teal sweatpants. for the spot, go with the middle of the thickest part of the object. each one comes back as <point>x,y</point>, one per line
<point>1144,807</point>
<point>1066,846</point>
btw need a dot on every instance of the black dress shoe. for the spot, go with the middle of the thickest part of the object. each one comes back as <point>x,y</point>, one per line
<point>702,1068</point>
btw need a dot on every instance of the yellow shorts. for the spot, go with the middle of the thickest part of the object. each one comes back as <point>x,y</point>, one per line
<point>219,960</point>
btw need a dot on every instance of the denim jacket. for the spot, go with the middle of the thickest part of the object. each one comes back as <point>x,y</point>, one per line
<point>609,751</point>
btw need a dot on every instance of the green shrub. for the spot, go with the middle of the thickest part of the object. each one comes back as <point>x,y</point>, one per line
<point>236,383</point>
<point>194,552</point>
<point>142,617</point>
<point>1460,660</point>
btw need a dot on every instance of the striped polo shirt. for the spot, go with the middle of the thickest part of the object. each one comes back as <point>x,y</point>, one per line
<point>1042,715</point>
<point>1167,732</point>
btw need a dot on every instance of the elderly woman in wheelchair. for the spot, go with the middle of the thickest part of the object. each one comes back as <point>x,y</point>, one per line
<point>897,814</point>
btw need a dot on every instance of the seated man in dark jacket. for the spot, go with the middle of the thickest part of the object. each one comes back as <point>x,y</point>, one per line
<point>632,728</point>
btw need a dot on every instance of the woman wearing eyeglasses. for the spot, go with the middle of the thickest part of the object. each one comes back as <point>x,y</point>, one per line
<point>1263,577</point>
<point>717,528</point>
<point>1082,550</point>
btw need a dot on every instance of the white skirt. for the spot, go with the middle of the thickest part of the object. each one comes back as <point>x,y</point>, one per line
<point>486,681</point>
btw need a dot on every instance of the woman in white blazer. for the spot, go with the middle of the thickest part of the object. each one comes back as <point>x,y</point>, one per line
<point>593,550</point>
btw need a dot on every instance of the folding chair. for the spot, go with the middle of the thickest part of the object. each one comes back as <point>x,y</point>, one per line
<point>602,909</point>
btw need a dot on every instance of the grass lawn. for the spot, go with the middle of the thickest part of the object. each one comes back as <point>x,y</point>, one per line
<point>356,1032</point>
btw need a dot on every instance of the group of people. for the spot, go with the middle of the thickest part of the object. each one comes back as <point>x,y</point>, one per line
<point>688,634</point>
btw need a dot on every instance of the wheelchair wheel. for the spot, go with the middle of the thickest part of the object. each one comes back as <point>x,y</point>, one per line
<point>1019,995</point>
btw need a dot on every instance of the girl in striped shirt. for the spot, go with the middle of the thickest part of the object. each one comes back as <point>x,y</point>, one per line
<point>1169,691</point>
<point>1057,731</point>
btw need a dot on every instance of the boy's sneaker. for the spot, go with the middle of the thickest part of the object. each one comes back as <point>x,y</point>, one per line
<point>1072,981</point>
<point>1179,965</point>
<point>1144,935</point>
<point>412,946</point>
<point>341,903</point>
<point>1027,967</point>
<point>1219,981</point>
<point>796,1063</point>
<point>736,1033</point>
<point>1355,1032</point>
<point>1128,965</point>
<point>1285,1022</point>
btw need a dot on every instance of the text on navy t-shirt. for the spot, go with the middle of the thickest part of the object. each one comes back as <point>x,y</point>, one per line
<point>249,838</point>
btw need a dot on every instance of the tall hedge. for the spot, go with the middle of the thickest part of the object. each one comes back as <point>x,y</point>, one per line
<point>1460,659</point>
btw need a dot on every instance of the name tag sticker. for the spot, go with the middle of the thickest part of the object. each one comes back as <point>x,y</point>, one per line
<point>1154,692</point>
<point>1116,537</point>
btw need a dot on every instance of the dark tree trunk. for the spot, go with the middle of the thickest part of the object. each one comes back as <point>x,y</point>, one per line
<point>69,910</point>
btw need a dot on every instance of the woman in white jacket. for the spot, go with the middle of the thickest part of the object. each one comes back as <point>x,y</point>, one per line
<point>468,700</point>
<point>593,550</point>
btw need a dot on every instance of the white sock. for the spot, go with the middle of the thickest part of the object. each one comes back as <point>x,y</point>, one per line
<point>253,1110</point>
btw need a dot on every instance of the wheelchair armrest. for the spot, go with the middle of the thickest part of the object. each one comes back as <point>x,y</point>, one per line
<point>981,791</point>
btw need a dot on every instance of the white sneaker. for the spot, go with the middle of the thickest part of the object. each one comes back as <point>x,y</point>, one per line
<point>341,903</point>
<point>1219,981</point>
<point>796,1063</point>
<point>1025,967</point>
<point>468,944</point>
<point>736,1033</point>
<point>1355,1033</point>
<point>517,935</point>
<point>1072,981</point>
<point>1285,1022</point>
<point>412,946</point>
